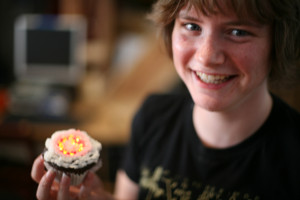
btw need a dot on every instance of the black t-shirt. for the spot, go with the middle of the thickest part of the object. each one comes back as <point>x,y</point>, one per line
<point>168,161</point>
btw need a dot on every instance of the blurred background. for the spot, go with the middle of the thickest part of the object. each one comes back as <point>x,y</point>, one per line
<point>84,64</point>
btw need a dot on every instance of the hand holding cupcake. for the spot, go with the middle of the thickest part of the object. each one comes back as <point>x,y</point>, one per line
<point>72,152</point>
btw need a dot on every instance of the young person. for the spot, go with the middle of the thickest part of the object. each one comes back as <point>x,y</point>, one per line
<point>230,138</point>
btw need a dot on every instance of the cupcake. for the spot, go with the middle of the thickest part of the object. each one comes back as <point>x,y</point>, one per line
<point>72,152</point>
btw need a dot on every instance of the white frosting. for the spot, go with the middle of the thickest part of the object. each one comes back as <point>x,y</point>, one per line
<point>90,154</point>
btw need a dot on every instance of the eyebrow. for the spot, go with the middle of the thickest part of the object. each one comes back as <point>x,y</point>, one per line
<point>186,16</point>
<point>244,23</point>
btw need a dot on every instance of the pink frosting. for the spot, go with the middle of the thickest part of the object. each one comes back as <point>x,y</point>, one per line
<point>71,143</point>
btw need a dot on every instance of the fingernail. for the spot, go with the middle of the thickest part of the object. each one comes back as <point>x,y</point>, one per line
<point>66,178</point>
<point>49,172</point>
<point>66,175</point>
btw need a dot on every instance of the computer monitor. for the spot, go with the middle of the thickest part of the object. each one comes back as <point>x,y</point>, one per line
<point>50,49</point>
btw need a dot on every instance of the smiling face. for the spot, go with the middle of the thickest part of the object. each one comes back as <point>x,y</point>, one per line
<point>224,61</point>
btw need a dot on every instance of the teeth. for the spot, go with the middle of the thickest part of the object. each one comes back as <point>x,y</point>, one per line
<point>214,79</point>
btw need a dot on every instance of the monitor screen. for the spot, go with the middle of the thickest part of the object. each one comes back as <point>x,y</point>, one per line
<point>50,48</point>
<point>55,50</point>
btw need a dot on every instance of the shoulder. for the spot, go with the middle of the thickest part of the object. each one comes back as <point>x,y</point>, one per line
<point>153,130</point>
<point>162,107</point>
<point>285,127</point>
<point>158,115</point>
<point>284,138</point>
<point>285,114</point>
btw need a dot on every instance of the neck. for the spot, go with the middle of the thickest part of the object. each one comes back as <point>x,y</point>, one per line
<point>231,127</point>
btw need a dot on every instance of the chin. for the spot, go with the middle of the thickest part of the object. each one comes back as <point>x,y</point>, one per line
<point>209,107</point>
<point>209,104</point>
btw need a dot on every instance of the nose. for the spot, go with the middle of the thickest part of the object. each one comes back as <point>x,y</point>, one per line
<point>210,51</point>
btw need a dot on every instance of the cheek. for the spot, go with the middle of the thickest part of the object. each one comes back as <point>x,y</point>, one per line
<point>254,61</point>
<point>182,51</point>
<point>262,64</point>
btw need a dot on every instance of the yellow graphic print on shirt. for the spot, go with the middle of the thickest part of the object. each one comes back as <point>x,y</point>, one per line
<point>160,185</point>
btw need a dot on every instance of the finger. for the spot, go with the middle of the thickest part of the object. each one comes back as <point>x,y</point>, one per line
<point>44,188</point>
<point>38,169</point>
<point>63,192</point>
<point>92,180</point>
<point>92,188</point>
<point>86,187</point>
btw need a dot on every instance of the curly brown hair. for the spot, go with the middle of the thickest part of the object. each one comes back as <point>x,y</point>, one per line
<point>282,15</point>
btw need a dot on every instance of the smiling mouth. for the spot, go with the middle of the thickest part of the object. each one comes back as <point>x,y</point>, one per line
<point>213,79</point>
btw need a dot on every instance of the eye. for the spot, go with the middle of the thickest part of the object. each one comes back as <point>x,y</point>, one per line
<point>239,33</point>
<point>192,27</point>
